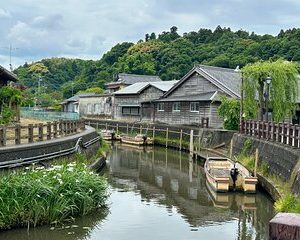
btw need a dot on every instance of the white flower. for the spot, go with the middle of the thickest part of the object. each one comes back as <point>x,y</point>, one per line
<point>90,190</point>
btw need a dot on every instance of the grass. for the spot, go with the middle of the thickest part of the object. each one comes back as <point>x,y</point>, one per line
<point>37,196</point>
<point>288,202</point>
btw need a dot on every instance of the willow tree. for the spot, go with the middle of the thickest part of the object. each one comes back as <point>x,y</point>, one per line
<point>283,88</point>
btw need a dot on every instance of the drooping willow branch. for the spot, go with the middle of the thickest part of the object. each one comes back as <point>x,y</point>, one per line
<point>283,88</point>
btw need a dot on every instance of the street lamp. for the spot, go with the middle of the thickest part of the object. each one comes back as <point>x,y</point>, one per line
<point>268,81</point>
<point>238,70</point>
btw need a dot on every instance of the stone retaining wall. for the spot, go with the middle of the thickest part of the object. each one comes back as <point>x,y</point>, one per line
<point>209,137</point>
<point>282,160</point>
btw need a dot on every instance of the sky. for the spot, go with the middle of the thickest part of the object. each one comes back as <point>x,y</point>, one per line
<point>87,29</point>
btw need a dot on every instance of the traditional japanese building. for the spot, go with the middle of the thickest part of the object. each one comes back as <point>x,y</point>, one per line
<point>196,96</point>
<point>123,80</point>
<point>135,102</point>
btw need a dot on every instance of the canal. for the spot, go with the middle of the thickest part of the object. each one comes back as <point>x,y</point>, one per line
<point>159,193</point>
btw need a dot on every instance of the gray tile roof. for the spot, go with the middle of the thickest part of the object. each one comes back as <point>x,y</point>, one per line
<point>227,80</point>
<point>209,96</point>
<point>136,88</point>
<point>7,75</point>
<point>227,77</point>
<point>129,79</point>
<point>76,97</point>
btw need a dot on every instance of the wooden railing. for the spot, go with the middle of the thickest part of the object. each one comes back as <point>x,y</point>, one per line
<point>18,134</point>
<point>285,133</point>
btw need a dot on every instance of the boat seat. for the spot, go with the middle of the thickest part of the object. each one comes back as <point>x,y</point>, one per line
<point>219,172</point>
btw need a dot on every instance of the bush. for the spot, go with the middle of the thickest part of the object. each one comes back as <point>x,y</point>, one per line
<point>49,196</point>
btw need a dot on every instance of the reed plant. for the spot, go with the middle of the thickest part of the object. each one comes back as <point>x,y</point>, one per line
<point>38,195</point>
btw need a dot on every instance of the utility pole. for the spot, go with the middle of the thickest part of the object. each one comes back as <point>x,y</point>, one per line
<point>10,49</point>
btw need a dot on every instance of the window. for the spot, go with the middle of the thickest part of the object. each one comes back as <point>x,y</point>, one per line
<point>160,107</point>
<point>176,107</point>
<point>132,111</point>
<point>89,108</point>
<point>96,108</point>
<point>194,107</point>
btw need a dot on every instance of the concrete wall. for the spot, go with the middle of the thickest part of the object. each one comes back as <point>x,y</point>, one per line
<point>282,161</point>
<point>98,105</point>
<point>29,153</point>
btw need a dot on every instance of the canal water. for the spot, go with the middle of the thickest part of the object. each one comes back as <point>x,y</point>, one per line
<point>161,194</point>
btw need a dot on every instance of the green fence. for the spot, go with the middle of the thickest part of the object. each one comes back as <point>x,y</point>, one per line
<point>44,115</point>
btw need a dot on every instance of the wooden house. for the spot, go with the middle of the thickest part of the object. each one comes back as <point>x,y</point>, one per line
<point>135,102</point>
<point>123,80</point>
<point>196,96</point>
<point>6,76</point>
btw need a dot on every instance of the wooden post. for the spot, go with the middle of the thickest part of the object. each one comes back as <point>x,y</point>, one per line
<point>41,129</point>
<point>117,131</point>
<point>2,136</point>
<point>256,162</point>
<point>191,142</point>
<point>285,226</point>
<point>30,133</point>
<point>127,129</point>
<point>55,129</point>
<point>61,128</point>
<point>180,141</point>
<point>105,126</point>
<point>48,130</point>
<point>140,129</point>
<point>153,133</point>
<point>17,134</point>
<point>167,136</point>
<point>97,125</point>
<point>231,148</point>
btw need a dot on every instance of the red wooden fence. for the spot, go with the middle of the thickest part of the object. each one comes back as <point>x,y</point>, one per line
<point>282,132</point>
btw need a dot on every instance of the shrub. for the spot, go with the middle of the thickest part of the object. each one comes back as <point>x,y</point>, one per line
<point>38,196</point>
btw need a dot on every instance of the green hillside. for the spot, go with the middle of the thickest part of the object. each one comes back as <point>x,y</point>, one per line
<point>168,55</point>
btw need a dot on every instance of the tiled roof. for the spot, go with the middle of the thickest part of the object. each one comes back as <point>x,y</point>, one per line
<point>227,80</point>
<point>76,97</point>
<point>7,75</point>
<point>129,79</point>
<point>227,77</point>
<point>208,96</point>
<point>136,88</point>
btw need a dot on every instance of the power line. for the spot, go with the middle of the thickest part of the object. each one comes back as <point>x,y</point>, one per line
<point>10,49</point>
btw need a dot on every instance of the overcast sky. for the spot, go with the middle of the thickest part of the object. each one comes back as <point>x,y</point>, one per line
<point>88,28</point>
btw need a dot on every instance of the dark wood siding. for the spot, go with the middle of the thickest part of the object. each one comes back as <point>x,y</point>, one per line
<point>195,84</point>
<point>149,94</point>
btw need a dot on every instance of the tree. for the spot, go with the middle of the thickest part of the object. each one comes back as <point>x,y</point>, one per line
<point>152,36</point>
<point>283,88</point>
<point>96,90</point>
<point>9,96</point>
<point>229,111</point>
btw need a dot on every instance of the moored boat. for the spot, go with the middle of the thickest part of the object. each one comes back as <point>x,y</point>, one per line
<point>139,139</point>
<point>223,175</point>
<point>107,135</point>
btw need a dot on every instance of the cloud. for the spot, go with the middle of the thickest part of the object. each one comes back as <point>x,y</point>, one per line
<point>4,13</point>
<point>89,28</point>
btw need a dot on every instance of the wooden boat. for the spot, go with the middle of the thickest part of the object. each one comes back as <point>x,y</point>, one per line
<point>139,140</point>
<point>107,135</point>
<point>224,175</point>
<point>227,200</point>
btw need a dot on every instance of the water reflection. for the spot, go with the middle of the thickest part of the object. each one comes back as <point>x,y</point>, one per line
<point>162,194</point>
<point>173,179</point>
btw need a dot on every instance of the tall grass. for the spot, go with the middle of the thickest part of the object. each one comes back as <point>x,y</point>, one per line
<point>38,196</point>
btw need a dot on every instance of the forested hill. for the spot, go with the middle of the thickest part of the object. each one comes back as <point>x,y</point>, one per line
<point>168,55</point>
